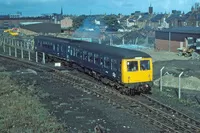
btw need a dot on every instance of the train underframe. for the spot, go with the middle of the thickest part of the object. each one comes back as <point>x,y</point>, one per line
<point>126,89</point>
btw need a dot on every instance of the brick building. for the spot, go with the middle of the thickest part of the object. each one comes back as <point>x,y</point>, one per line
<point>171,39</point>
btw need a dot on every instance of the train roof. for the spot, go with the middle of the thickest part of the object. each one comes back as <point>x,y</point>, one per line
<point>100,48</point>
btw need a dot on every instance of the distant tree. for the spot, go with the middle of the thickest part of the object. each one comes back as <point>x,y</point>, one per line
<point>78,21</point>
<point>111,21</point>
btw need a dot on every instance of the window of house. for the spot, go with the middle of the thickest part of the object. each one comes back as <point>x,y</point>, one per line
<point>90,57</point>
<point>132,66</point>
<point>107,62</point>
<point>114,64</point>
<point>144,65</point>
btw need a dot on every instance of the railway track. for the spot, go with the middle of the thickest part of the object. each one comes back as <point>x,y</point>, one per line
<point>156,113</point>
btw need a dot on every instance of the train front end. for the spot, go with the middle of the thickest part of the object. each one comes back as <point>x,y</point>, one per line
<point>137,74</point>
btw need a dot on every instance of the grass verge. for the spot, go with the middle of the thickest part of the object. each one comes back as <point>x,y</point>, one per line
<point>21,111</point>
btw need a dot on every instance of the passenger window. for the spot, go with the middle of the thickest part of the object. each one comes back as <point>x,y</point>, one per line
<point>79,53</point>
<point>114,64</point>
<point>57,47</point>
<point>85,55</point>
<point>101,61</point>
<point>54,47</point>
<point>96,59</point>
<point>68,49</point>
<point>132,66</point>
<point>107,62</point>
<point>144,65</point>
<point>74,51</point>
<point>71,52</point>
<point>90,57</point>
<point>61,48</point>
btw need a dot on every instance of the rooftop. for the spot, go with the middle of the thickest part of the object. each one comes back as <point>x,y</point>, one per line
<point>186,29</point>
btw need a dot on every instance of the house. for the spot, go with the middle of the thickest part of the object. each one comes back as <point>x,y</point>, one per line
<point>144,20</point>
<point>66,23</point>
<point>157,20</point>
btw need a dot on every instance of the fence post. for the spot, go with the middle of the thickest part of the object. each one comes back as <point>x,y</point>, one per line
<point>161,71</point>
<point>9,51</point>
<point>179,85</point>
<point>22,52</point>
<point>4,48</point>
<point>29,55</point>
<point>123,41</point>
<point>36,56</point>
<point>43,58</point>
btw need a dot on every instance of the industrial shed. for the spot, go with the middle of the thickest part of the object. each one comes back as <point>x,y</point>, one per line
<point>41,27</point>
<point>171,39</point>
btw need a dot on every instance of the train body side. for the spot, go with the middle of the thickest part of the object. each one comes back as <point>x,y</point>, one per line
<point>106,65</point>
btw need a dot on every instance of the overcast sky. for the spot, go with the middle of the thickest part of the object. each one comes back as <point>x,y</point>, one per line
<point>37,7</point>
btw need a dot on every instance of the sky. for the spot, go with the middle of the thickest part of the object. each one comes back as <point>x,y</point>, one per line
<point>78,7</point>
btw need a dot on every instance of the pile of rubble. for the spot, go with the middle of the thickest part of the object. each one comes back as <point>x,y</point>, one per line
<point>169,80</point>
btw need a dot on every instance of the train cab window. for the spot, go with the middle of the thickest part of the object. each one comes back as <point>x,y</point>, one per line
<point>90,57</point>
<point>85,55</point>
<point>96,59</point>
<point>107,62</point>
<point>114,64</point>
<point>144,65</point>
<point>132,66</point>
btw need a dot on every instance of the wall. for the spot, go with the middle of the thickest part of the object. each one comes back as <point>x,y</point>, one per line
<point>162,40</point>
<point>163,45</point>
<point>43,28</point>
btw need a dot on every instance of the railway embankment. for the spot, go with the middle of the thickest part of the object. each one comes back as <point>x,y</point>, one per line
<point>21,110</point>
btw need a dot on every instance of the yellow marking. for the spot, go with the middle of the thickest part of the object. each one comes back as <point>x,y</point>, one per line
<point>136,76</point>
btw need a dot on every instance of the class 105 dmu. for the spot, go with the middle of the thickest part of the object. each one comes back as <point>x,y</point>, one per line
<point>130,71</point>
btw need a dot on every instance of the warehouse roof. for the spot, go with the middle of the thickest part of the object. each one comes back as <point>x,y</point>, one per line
<point>186,29</point>
<point>29,23</point>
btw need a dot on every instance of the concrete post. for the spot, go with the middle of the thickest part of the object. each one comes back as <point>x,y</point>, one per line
<point>4,48</point>
<point>123,41</point>
<point>36,56</point>
<point>29,55</point>
<point>22,52</point>
<point>161,71</point>
<point>169,42</point>
<point>9,51</point>
<point>43,58</point>
<point>179,85</point>
<point>15,51</point>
